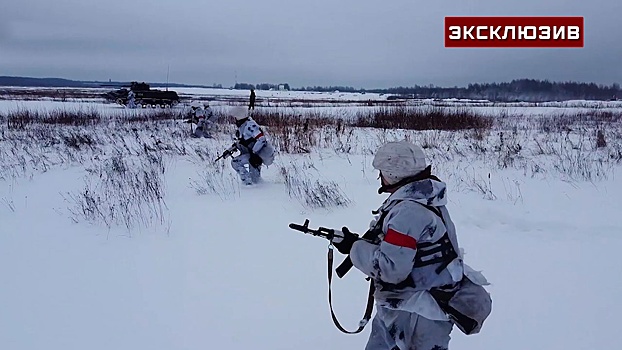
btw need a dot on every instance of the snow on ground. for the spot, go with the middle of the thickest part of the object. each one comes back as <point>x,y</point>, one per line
<point>278,94</point>
<point>221,268</point>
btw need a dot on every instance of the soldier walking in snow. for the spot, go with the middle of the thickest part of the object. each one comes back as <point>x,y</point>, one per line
<point>416,257</point>
<point>255,148</point>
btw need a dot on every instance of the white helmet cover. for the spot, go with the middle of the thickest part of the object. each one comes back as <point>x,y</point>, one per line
<point>399,160</point>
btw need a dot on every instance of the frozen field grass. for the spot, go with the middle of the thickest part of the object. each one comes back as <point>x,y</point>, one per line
<point>122,232</point>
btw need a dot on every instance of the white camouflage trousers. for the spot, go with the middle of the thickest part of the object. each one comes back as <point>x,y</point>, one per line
<point>401,330</point>
<point>203,129</point>
<point>248,176</point>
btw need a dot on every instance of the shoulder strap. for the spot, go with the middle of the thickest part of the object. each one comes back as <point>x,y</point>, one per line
<point>370,299</point>
<point>448,254</point>
<point>435,210</point>
<point>383,215</point>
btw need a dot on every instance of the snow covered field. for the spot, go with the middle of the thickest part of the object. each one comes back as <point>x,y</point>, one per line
<point>124,235</point>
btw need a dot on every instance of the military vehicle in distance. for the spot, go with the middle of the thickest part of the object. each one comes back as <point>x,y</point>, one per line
<point>144,96</point>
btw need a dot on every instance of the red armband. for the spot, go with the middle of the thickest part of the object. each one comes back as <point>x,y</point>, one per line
<point>400,239</point>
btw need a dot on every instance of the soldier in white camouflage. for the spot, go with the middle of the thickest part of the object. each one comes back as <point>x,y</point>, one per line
<point>416,252</point>
<point>254,146</point>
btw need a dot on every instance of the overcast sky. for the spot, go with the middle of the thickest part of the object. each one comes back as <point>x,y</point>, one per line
<point>357,43</point>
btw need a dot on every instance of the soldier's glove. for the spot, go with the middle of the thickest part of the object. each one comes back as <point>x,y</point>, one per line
<point>255,160</point>
<point>344,239</point>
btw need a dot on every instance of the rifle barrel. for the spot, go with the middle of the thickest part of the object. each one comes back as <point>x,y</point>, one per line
<point>298,227</point>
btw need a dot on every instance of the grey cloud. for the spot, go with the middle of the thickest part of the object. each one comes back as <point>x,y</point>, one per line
<point>358,43</point>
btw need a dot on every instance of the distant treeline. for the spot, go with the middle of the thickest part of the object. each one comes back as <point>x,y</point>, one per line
<point>59,82</point>
<point>42,82</point>
<point>262,86</point>
<point>529,90</point>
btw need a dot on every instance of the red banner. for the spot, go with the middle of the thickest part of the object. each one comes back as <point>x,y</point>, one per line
<point>506,32</point>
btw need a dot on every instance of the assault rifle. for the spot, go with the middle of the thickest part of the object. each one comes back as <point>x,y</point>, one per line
<point>228,152</point>
<point>341,270</point>
<point>329,234</point>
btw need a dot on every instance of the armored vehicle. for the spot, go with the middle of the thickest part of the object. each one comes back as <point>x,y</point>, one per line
<point>144,96</point>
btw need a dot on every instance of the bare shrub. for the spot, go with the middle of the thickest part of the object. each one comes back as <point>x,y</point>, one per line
<point>480,185</point>
<point>21,118</point>
<point>120,191</point>
<point>291,139</point>
<point>544,146</point>
<point>580,165</point>
<point>76,139</point>
<point>9,203</point>
<point>565,121</point>
<point>600,139</point>
<point>75,118</point>
<point>479,134</point>
<point>426,140</point>
<point>616,156</point>
<point>508,149</point>
<point>438,118</point>
<point>150,116</point>
<point>18,120</point>
<point>312,193</point>
<point>283,118</point>
<point>555,123</point>
<point>513,191</point>
<point>295,133</point>
<point>213,179</point>
<point>60,94</point>
<point>604,116</point>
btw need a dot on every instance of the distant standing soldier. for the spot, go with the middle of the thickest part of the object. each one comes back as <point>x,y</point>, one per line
<point>251,105</point>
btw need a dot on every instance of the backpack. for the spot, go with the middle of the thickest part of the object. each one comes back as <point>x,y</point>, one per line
<point>468,304</point>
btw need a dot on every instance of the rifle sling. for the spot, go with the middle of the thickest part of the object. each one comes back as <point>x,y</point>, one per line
<point>370,299</point>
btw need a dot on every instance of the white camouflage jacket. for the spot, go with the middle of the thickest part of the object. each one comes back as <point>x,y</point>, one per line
<point>253,139</point>
<point>406,225</point>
